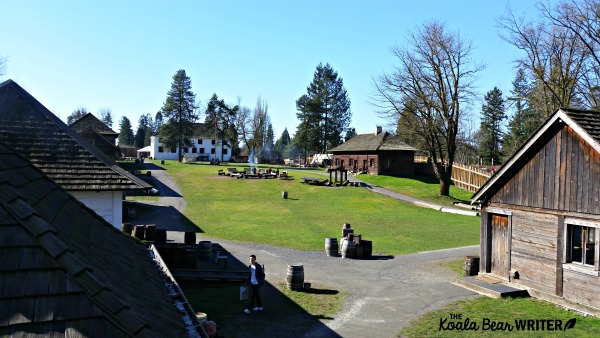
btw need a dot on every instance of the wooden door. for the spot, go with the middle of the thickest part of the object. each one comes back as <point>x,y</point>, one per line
<point>499,249</point>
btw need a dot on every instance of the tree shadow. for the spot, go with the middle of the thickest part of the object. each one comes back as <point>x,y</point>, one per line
<point>322,291</point>
<point>163,190</point>
<point>152,166</point>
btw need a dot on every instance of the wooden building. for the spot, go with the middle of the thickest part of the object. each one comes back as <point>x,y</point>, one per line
<point>376,154</point>
<point>98,134</point>
<point>540,224</point>
<point>66,272</point>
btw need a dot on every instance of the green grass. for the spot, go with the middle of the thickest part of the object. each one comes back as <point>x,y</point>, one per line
<point>425,188</point>
<point>501,310</point>
<point>253,210</point>
<point>319,301</point>
<point>456,265</point>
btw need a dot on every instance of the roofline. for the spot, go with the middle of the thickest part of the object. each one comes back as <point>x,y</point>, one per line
<point>559,116</point>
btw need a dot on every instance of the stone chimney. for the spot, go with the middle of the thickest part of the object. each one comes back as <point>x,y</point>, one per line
<point>378,130</point>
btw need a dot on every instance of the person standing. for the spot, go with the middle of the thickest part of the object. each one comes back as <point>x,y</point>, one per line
<point>256,278</point>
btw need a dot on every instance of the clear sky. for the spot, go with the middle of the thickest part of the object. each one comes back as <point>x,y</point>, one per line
<point>122,55</point>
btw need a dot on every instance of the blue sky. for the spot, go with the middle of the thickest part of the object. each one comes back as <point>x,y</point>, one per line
<point>122,55</point>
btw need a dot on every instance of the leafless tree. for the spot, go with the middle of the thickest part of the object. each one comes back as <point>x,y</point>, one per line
<point>253,124</point>
<point>429,90</point>
<point>2,66</point>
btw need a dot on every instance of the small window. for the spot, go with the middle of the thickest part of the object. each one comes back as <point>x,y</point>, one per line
<point>337,162</point>
<point>173,150</point>
<point>185,150</point>
<point>194,150</point>
<point>201,150</point>
<point>161,149</point>
<point>212,151</point>
<point>341,163</point>
<point>350,162</point>
<point>213,142</point>
<point>199,141</point>
<point>582,246</point>
<point>224,151</point>
<point>372,163</point>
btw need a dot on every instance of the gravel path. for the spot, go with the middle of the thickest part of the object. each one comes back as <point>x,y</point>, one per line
<point>385,292</point>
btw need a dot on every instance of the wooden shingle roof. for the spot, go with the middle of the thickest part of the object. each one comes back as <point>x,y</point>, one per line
<point>91,121</point>
<point>372,142</point>
<point>55,148</point>
<point>586,123</point>
<point>66,272</point>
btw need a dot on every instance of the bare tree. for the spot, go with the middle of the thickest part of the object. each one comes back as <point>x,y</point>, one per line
<point>253,125</point>
<point>105,115</point>
<point>554,58</point>
<point>2,66</point>
<point>429,89</point>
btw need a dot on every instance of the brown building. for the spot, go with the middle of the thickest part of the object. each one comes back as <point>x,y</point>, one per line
<point>377,154</point>
<point>98,134</point>
<point>540,224</point>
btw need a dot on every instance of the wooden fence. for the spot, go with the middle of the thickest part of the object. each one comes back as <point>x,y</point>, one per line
<point>469,178</point>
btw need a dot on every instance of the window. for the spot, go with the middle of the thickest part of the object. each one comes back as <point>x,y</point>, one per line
<point>212,151</point>
<point>342,163</point>
<point>372,163</point>
<point>201,150</point>
<point>350,162</point>
<point>212,142</point>
<point>582,247</point>
<point>173,150</point>
<point>387,163</point>
<point>199,141</point>
<point>337,162</point>
<point>161,149</point>
<point>224,151</point>
<point>185,150</point>
<point>194,150</point>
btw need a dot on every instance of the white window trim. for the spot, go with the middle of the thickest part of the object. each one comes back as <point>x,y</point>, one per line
<point>579,267</point>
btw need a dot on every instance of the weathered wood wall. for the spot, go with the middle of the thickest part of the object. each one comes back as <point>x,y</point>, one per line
<point>563,175</point>
<point>401,162</point>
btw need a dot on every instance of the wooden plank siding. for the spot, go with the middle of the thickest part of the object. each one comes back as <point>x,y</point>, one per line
<point>534,251</point>
<point>581,288</point>
<point>563,175</point>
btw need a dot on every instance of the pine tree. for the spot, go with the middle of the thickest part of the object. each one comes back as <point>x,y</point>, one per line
<point>76,115</point>
<point>105,115</point>
<point>324,112</point>
<point>125,133</point>
<point>144,131</point>
<point>493,113</point>
<point>179,114</point>
<point>282,142</point>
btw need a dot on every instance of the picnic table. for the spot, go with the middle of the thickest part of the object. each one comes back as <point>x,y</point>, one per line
<point>312,180</point>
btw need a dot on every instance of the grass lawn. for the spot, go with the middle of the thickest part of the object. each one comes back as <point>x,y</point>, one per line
<point>253,210</point>
<point>424,188</point>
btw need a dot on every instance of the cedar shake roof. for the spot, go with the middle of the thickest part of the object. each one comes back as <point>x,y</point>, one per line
<point>91,121</point>
<point>55,148</point>
<point>372,142</point>
<point>66,272</point>
<point>586,123</point>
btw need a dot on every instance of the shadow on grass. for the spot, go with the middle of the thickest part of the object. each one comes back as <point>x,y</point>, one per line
<point>281,316</point>
<point>165,217</point>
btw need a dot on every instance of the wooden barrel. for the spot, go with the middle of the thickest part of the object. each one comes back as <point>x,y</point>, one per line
<point>190,258</point>
<point>160,235</point>
<point>471,265</point>
<point>346,226</point>
<point>350,237</point>
<point>348,249</point>
<point>150,232</point>
<point>204,250</point>
<point>139,232</point>
<point>367,248</point>
<point>295,277</point>
<point>359,250</point>
<point>345,232</point>
<point>190,237</point>
<point>357,239</point>
<point>126,227</point>
<point>284,194</point>
<point>201,317</point>
<point>331,247</point>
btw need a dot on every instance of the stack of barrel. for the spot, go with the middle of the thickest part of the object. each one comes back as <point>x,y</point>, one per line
<point>351,245</point>
<point>146,232</point>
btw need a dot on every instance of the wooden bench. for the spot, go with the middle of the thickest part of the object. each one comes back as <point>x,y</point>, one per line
<point>231,171</point>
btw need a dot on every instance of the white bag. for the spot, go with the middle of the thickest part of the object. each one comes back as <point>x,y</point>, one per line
<point>243,292</point>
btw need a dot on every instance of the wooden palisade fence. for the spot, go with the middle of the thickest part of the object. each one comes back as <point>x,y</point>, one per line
<point>468,177</point>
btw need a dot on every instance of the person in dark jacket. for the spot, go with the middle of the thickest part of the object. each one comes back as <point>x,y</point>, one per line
<point>256,278</point>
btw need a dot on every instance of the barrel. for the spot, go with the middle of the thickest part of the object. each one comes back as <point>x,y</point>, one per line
<point>331,247</point>
<point>139,231</point>
<point>166,253</point>
<point>295,277</point>
<point>126,227</point>
<point>359,250</point>
<point>348,249</point>
<point>357,239</point>
<point>150,232</point>
<point>284,194</point>
<point>346,226</point>
<point>204,250</point>
<point>160,235</point>
<point>190,258</point>
<point>350,237</point>
<point>201,317</point>
<point>345,232</point>
<point>189,237</point>
<point>471,265</point>
<point>367,248</point>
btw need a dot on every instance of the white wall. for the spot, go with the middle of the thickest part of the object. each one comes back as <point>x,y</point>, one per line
<point>107,204</point>
<point>205,143</point>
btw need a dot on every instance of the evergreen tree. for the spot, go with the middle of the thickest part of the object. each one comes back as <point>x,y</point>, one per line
<point>179,114</point>
<point>223,119</point>
<point>76,115</point>
<point>158,120</point>
<point>493,113</point>
<point>105,115</point>
<point>324,112</point>
<point>270,137</point>
<point>350,133</point>
<point>144,131</point>
<point>125,133</point>
<point>282,142</point>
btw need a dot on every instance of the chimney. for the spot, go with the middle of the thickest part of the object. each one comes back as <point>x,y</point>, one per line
<point>378,130</point>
